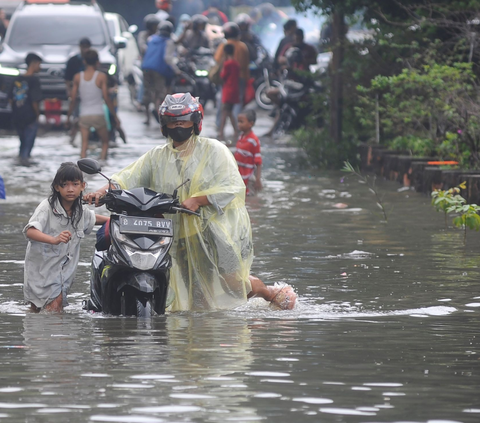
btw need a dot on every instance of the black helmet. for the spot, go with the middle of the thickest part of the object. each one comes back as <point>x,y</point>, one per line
<point>165,28</point>
<point>198,21</point>
<point>151,22</point>
<point>243,21</point>
<point>231,30</point>
<point>181,106</point>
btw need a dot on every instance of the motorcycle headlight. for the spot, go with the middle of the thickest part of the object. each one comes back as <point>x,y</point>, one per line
<point>9,71</point>
<point>161,243</point>
<point>143,260</point>
<point>122,238</point>
<point>200,72</point>
<point>132,247</point>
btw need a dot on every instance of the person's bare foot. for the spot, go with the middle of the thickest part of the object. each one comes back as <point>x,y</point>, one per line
<point>34,308</point>
<point>283,296</point>
<point>56,306</point>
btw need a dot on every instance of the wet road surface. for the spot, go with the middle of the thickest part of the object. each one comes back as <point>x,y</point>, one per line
<point>385,330</point>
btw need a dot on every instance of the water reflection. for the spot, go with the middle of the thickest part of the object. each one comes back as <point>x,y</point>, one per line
<point>159,367</point>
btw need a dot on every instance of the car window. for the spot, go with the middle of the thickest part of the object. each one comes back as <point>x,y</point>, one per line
<point>67,30</point>
<point>123,25</point>
<point>111,27</point>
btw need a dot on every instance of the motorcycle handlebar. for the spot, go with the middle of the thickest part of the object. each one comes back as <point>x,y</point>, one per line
<point>184,210</point>
<point>101,202</point>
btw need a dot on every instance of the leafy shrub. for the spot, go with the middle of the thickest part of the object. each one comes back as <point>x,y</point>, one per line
<point>322,151</point>
<point>431,110</point>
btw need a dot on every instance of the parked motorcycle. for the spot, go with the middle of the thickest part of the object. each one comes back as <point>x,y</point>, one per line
<point>264,78</point>
<point>131,278</point>
<point>295,104</point>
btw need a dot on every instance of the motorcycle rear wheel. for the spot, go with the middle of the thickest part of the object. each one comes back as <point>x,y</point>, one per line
<point>261,95</point>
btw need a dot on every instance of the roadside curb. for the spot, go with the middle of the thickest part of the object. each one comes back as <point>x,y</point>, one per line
<point>418,172</point>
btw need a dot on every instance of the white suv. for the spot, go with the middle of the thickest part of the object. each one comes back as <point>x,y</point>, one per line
<point>53,31</point>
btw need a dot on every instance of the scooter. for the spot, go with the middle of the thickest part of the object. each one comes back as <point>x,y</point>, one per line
<point>131,277</point>
<point>294,103</point>
<point>203,59</point>
<point>194,76</point>
<point>185,82</point>
<point>264,78</point>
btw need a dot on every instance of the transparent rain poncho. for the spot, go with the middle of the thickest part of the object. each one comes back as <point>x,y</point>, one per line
<point>212,254</point>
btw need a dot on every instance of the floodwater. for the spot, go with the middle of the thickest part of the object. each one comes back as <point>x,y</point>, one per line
<point>386,328</point>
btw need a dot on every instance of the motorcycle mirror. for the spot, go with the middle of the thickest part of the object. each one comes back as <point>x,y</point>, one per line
<point>175,191</point>
<point>89,166</point>
<point>92,167</point>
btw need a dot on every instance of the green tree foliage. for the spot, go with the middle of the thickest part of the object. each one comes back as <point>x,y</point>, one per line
<point>436,103</point>
<point>422,44</point>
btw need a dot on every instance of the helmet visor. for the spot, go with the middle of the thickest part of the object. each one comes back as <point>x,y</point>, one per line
<point>170,119</point>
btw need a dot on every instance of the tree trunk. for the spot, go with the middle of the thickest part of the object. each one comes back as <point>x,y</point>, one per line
<point>336,100</point>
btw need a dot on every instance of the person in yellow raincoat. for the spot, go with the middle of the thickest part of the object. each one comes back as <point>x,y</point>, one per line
<point>212,254</point>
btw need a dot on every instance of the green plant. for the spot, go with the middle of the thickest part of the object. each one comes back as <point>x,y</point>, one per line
<point>321,150</point>
<point>370,181</point>
<point>444,200</point>
<point>468,218</point>
<point>433,109</point>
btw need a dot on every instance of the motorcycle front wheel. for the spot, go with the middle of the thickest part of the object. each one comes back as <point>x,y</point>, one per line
<point>133,306</point>
<point>144,310</point>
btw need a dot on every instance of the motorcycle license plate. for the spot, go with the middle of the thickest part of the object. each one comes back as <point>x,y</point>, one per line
<point>145,225</point>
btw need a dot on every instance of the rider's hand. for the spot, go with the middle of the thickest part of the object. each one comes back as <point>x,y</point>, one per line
<point>64,237</point>
<point>93,197</point>
<point>192,204</point>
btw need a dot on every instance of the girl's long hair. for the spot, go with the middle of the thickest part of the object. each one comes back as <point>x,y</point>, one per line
<point>68,172</point>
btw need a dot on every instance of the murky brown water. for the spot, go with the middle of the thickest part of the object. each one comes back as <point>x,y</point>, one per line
<point>385,330</point>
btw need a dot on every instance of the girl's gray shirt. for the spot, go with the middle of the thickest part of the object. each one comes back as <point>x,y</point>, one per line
<point>50,269</point>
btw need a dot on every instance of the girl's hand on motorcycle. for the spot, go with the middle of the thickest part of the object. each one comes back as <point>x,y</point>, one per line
<point>93,197</point>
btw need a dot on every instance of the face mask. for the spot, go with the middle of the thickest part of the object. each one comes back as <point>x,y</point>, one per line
<point>180,134</point>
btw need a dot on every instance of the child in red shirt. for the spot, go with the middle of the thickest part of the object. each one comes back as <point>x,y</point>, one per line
<point>247,153</point>
<point>230,91</point>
